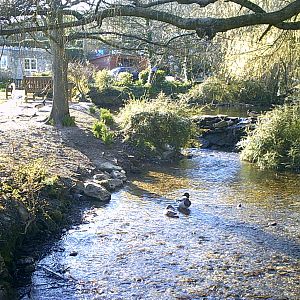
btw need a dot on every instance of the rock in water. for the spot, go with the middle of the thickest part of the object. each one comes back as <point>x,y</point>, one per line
<point>107,166</point>
<point>95,190</point>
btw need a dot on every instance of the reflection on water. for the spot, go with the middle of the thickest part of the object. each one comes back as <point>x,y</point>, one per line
<point>241,240</point>
<point>232,111</point>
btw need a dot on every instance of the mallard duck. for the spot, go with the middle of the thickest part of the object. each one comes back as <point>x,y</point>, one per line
<point>171,212</point>
<point>184,202</point>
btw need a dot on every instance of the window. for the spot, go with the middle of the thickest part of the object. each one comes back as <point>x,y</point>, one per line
<point>30,64</point>
<point>3,62</point>
<point>126,62</point>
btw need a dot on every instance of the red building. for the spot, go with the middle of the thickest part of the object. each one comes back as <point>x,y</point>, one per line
<point>111,61</point>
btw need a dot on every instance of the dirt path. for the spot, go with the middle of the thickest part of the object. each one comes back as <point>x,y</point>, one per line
<point>68,150</point>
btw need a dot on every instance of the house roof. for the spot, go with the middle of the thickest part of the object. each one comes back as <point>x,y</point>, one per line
<point>113,54</point>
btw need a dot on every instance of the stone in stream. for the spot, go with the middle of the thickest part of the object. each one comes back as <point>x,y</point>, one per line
<point>109,167</point>
<point>119,175</point>
<point>95,190</point>
<point>111,184</point>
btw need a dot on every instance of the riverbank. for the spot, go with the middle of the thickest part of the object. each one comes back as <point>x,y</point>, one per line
<point>78,160</point>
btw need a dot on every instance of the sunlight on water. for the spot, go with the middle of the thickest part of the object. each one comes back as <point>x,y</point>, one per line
<point>241,240</point>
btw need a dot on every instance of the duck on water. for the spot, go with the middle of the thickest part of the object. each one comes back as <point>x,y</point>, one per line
<point>183,206</point>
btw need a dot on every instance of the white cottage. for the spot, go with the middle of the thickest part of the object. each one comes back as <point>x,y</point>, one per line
<point>16,62</point>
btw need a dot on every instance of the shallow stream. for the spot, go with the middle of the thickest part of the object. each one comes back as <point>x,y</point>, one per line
<point>241,240</point>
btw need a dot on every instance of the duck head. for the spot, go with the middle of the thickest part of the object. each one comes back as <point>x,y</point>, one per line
<point>187,195</point>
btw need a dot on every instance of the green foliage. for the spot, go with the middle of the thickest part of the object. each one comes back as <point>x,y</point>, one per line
<point>125,79</point>
<point>24,181</point>
<point>68,121</point>
<point>159,78</point>
<point>143,76</point>
<point>156,125</point>
<point>169,88</point>
<point>112,97</point>
<point>275,143</point>
<point>103,80</point>
<point>217,90</point>
<point>92,110</point>
<point>101,131</point>
<point>3,84</point>
<point>108,92</point>
<point>106,116</point>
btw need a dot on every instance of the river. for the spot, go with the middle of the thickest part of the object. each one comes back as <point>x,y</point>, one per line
<point>241,240</point>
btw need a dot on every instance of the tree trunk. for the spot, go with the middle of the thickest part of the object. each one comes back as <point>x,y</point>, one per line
<point>60,105</point>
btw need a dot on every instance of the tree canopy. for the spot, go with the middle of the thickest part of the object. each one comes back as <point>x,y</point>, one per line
<point>19,16</point>
<point>63,21</point>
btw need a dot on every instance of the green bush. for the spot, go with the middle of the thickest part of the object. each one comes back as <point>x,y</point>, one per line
<point>101,131</point>
<point>216,90</point>
<point>169,88</point>
<point>25,182</point>
<point>156,125</point>
<point>106,116</point>
<point>159,78</point>
<point>143,76</point>
<point>68,121</point>
<point>92,110</point>
<point>103,80</point>
<point>112,97</point>
<point>125,79</point>
<point>80,75</point>
<point>275,143</point>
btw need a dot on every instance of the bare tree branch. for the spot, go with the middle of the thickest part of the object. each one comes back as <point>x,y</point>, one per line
<point>248,4</point>
<point>210,26</point>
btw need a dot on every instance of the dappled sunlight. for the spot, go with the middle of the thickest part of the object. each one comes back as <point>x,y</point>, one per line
<point>161,183</point>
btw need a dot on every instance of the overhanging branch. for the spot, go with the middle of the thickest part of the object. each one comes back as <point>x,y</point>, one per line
<point>212,25</point>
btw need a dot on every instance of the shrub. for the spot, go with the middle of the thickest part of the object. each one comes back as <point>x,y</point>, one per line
<point>92,110</point>
<point>103,80</point>
<point>25,181</point>
<point>143,76</point>
<point>111,97</point>
<point>80,75</point>
<point>156,125</point>
<point>106,116</point>
<point>101,131</point>
<point>275,143</point>
<point>125,79</point>
<point>68,121</point>
<point>217,90</point>
<point>159,78</point>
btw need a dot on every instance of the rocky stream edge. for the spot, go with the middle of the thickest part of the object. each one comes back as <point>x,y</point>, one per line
<point>95,180</point>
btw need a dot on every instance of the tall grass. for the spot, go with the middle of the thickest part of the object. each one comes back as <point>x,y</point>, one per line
<point>275,143</point>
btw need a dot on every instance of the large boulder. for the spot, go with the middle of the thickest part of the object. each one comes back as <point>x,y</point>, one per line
<point>96,191</point>
<point>108,167</point>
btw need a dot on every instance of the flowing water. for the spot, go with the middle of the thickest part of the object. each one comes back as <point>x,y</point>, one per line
<point>241,240</point>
